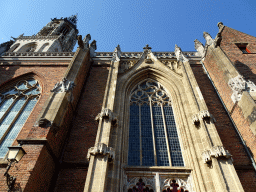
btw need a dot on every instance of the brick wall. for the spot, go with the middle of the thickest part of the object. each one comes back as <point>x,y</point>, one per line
<point>35,170</point>
<point>83,131</point>
<point>244,63</point>
<point>226,131</point>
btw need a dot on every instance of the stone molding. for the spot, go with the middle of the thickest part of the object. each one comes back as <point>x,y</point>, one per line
<point>21,37</point>
<point>239,85</point>
<point>184,184</point>
<point>101,149</point>
<point>108,114</point>
<point>125,65</point>
<point>137,55</point>
<point>173,65</point>
<point>63,86</point>
<point>202,115</point>
<point>133,183</point>
<point>40,54</point>
<point>216,152</point>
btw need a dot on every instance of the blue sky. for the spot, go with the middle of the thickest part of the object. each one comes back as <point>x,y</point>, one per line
<point>131,23</point>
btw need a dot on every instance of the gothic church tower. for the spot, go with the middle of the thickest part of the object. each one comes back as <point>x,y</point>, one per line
<point>59,35</point>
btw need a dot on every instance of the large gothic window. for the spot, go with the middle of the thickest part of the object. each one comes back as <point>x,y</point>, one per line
<point>16,104</point>
<point>153,137</point>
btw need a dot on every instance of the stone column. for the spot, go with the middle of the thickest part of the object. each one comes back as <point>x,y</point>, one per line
<point>222,174</point>
<point>100,156</point>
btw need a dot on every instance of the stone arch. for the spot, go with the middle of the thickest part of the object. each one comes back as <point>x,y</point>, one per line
<point>175,87</point>
<point>44,47</point>
<point>18,98</point>
<point>14,47</point>
<point>29,47</point>
<point>35,75</point>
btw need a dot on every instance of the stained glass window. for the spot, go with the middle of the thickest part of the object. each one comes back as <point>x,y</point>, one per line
<point>16,104</point>
<point>153,136</point>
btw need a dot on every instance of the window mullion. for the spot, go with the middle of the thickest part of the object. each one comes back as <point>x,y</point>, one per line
<point>140,134</point>
<point>153,131</point>
<point>14,120</point>
<point>8,110</point>
<point>166,136</point>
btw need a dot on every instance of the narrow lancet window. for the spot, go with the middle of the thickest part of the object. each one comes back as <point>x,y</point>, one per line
<point>153,137</point>
<point>16,104</point>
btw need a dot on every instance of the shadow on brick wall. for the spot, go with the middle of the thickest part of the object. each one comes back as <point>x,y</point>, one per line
<point>245,71</point>
<point>7,72</point>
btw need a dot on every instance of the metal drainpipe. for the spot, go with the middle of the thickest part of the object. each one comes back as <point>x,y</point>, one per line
<point>244,144</point>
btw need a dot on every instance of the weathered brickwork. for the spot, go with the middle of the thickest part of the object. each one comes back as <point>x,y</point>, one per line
<point>226,130</point>
<point>244,63</point>
<point>221,71</point>
<point>84,128</point>
<point>72,179</point>
<point>35,170</point>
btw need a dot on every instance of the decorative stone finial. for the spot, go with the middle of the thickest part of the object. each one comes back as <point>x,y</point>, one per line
<point>208,38</point>
<point>200,48</point>
<point>220,25</point>
<point>86,40</point>
<point>93,47</point>
<point>73,19</point>
<point>147,47</point>
<point>179,54</point>
<point>117,54</point>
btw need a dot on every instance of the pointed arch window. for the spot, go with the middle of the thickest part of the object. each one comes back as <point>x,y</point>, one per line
<point>16,104</point>
<point>153,136</point>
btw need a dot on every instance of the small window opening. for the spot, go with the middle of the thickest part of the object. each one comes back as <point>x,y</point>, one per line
<point>243,48</point>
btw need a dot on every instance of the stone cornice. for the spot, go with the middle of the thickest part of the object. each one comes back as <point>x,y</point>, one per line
<point>36,54</point>
<point>137,55</point>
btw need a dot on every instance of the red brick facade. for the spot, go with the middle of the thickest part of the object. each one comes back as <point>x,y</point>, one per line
<point>56,158</point>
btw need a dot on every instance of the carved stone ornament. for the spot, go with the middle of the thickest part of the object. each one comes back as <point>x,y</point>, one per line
<point>208,38</point>
<point>86,40</point>
<point>108,114</point>
<point>125,65</point>
<point>101,149</point>
<point>195,120</point>
<point>239,85</point>
<point>117,54</point>
<point>176,184</point>
<point>93,47</point>
<point>179,55</point>
<point>43,122</point>
<point>80,41</point>
<point>216,151</point>
<point>148,59</point>
<point>205,114</point>
<point>139,184</point>
<point>220,26</point>
<point>217,40</point>
<point>63,86</point>
<point>173,65</point>
<point>200,48</point>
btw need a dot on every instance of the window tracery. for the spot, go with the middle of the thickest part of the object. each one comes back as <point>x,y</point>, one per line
<point>153,137</point>
<point>16,104</point>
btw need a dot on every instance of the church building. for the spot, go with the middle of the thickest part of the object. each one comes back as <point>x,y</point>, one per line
<point>89,121</point>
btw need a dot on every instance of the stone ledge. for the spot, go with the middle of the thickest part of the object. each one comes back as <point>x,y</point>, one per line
<point>158,169</point>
